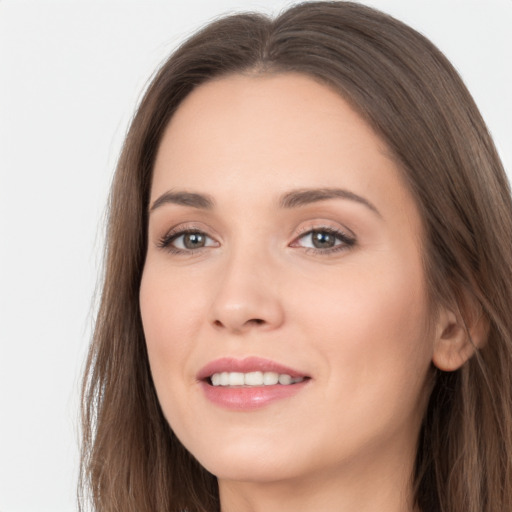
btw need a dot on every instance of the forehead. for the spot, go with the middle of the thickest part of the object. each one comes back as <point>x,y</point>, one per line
<point>275,112</point>
<point>269,133</point>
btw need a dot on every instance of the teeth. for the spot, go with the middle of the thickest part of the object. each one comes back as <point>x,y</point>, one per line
<point>253,379</point>
<point>236,379</point>
<point>270,378</point>
<point>285,379</point>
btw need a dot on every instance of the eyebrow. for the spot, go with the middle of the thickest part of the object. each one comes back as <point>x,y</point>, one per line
<point>192,199</point>
<point>292,199</point>
<point>303,197</point>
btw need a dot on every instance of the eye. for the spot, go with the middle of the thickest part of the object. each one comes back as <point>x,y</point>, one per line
<point>324,240</point>
<point>187,240</point>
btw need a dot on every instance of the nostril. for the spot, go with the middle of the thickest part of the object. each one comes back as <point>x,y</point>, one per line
<point>253,321</point>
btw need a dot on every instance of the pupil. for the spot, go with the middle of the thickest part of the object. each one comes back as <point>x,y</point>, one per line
<point>322,239</point>
<point>193,240</point>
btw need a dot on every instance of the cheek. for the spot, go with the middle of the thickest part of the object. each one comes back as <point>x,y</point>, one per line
<point>170,304</point>
<point>379,296</point>
<point>372,329</point>
<point>168,311</point>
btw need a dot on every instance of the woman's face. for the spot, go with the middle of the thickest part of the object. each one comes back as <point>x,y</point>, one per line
<point>283,246</point>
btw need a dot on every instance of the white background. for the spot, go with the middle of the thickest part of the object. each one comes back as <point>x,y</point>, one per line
<point>71,74</point>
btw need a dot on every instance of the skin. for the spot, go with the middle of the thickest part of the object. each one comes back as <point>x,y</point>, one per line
<point>355,320</point>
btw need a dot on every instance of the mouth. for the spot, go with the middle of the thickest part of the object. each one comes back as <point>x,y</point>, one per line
<point>252,379</point>
<point>250,383</point>
<point>249,372</point>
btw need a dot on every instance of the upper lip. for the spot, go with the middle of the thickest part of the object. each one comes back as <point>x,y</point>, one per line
<point>246,365</point>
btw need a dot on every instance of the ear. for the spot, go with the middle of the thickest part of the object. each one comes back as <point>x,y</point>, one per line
<point>459,335</point>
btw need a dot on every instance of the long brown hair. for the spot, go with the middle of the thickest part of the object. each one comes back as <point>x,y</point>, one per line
<point>413,98</point>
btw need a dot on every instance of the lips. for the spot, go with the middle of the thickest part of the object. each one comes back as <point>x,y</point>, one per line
<point>247,366</point>
<point>248,384</point>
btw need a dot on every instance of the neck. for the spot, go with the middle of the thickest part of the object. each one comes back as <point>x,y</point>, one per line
<point>362,486</point>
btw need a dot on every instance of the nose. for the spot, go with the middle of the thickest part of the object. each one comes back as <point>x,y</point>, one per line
<point>247,295</point>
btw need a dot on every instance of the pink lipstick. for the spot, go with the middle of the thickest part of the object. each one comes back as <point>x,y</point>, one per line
<point>250,383</point>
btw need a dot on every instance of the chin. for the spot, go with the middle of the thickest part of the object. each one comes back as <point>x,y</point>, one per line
<point>263,470</point>
<point>249,462</point>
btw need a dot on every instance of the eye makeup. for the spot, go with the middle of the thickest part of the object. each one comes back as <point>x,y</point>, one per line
<point>322,240</point>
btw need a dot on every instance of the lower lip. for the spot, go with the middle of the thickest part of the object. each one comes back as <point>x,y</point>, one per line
<point>249,398</point>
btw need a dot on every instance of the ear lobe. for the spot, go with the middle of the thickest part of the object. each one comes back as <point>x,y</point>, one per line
<point>457,340</point>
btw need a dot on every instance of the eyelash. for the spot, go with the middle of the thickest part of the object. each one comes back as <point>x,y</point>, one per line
<point>347,241</point>
<point>166,241</point>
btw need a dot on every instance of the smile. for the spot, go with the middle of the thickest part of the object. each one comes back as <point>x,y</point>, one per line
<point>250,383</point>
<point>253,379</point>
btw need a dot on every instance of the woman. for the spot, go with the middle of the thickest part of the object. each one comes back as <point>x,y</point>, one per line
<point>307,287</point>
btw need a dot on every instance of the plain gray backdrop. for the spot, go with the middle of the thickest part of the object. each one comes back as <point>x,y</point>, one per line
<point>71,74</point>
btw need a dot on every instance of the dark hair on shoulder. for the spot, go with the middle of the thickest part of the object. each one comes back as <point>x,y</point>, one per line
<point>404,87</point>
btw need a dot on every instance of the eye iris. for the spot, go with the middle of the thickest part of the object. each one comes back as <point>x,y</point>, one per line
<point>323,239</point>
<point>193,240</point>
